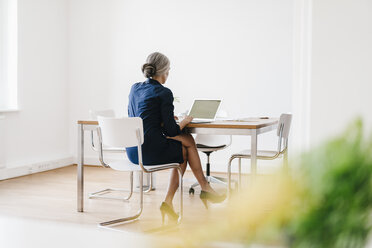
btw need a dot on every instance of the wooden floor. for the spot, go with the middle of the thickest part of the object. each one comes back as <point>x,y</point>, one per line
<point>51,196</point>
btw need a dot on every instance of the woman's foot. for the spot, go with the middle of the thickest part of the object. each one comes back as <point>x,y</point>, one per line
<point>212,197</point>
<point>207,188</point>
<point>167,209</point>
<point>209,194</point>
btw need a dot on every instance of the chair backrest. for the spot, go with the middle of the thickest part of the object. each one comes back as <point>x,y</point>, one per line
<point>213,140</point>
<point>121,132</point>
<point>106,113</point>
<point>284,125</point>
<point>93,116</point>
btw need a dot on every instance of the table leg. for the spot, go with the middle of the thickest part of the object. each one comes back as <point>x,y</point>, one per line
<point>254,154</point>
<point>80,169</point>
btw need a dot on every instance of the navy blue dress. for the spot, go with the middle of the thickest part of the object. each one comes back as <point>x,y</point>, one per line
<point>154,104</point>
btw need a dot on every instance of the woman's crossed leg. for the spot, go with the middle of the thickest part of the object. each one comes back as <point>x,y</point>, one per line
<point>191,156</point>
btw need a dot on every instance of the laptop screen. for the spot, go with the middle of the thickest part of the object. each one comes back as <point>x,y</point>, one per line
<point>204,109</point>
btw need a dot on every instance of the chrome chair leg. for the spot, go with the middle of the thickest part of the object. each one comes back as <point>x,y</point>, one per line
<point>240,174</point>
<point>180,188</point>
<point>229,177</point>
<point>150,184</point>
<point>285,161</point>
<point>101,194</point>
<point>130,218</point>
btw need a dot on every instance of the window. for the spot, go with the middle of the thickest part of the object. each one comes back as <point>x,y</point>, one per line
<point>8,55</point>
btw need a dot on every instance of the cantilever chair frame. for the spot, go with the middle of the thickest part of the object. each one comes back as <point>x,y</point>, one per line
<point>142,170</point>
<point>281,142</point>
<point>102,194</point>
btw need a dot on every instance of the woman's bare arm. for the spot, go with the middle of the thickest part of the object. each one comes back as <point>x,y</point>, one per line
<point>185,121</point>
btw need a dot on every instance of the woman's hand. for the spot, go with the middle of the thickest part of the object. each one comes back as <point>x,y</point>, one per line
<point>185,121</point>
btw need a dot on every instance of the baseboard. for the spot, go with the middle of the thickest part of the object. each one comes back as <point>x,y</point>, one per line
<point>91,160</point>
<point>7,173</point>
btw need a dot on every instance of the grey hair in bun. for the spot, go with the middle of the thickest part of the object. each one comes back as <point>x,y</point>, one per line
<point>148,70</point>
<point>156,65</point>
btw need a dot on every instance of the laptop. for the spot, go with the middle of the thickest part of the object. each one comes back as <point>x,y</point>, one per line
<point>204,110</point>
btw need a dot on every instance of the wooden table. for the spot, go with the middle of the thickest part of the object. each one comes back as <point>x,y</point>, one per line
<point>247,126</point>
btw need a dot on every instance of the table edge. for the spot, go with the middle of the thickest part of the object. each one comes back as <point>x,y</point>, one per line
<point>205,125</point>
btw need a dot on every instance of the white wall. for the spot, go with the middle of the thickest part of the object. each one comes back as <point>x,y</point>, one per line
<point>84,54</point>
<point>341,66</point>
<point>8,54</point>
<point>3,20</point>
<point>39,130</point>
<point>238,50</point>
<point>89,65</point>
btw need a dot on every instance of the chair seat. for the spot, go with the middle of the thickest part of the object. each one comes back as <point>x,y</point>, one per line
<point>126,165</point>
<point>260,153</point>
<point>205,148</point>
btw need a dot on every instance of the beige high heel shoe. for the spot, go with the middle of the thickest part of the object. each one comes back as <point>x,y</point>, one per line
<point>165,209</point>
<point>213,198</point>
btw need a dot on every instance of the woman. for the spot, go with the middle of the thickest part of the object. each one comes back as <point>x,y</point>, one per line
<point>163,140</point>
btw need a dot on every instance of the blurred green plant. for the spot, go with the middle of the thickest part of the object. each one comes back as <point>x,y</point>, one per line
<point>335,200</point>
<point>325,202</point>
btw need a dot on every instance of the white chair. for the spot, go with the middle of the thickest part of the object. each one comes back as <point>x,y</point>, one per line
<point>105,113</point>
<point>102,194</point>
<point>208,144</point>
<point>128,132</point>
<point>282,151</point>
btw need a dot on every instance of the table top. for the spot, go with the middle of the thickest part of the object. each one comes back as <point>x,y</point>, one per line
<point>244,123</point>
